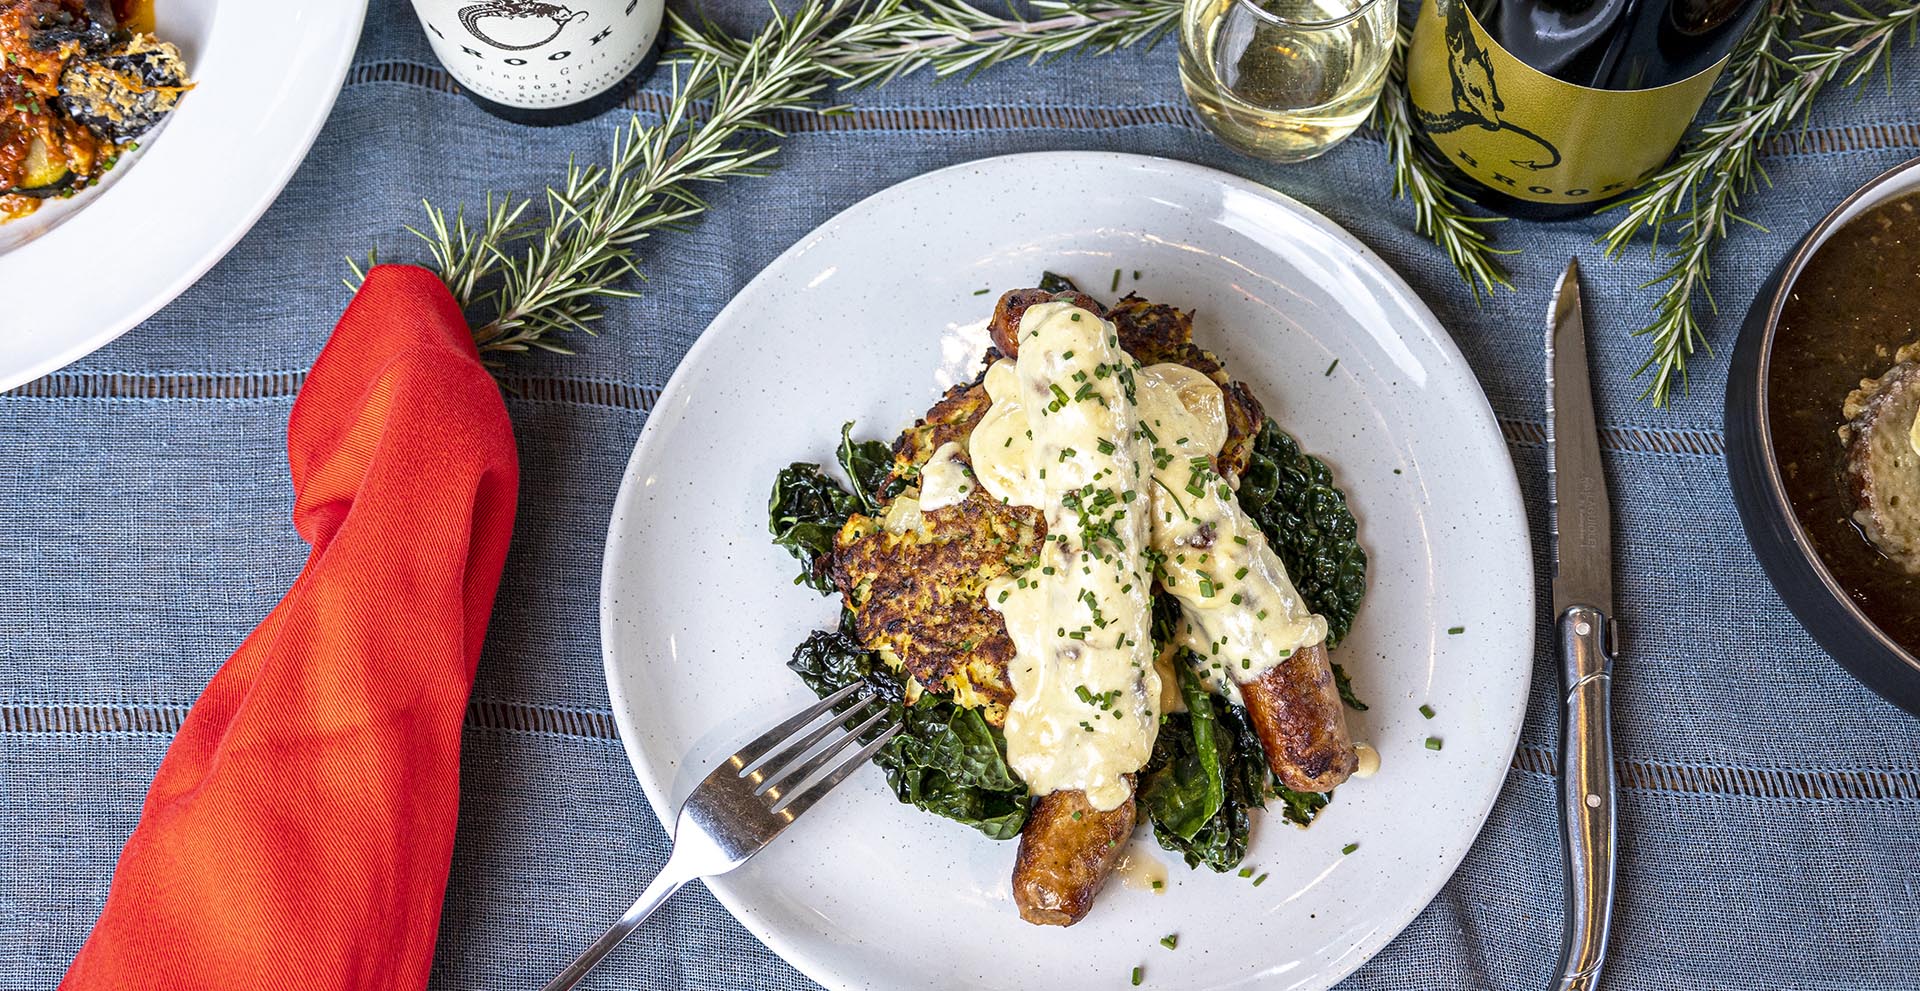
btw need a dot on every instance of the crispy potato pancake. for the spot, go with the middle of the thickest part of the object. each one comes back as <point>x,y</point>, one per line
<point>914,581</point>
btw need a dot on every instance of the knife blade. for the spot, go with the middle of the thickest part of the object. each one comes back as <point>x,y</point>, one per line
<point>1576,485</point>
<point>1582,524</point>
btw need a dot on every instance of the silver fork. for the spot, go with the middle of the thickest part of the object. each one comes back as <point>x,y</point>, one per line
<point>744,804</point>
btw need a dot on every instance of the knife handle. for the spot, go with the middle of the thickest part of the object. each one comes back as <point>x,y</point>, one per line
<point>1585,644</point>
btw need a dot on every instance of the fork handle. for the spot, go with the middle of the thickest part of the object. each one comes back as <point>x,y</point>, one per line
<point>662,887</point>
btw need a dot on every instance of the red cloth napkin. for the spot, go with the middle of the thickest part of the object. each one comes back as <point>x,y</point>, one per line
<point>299,830</point>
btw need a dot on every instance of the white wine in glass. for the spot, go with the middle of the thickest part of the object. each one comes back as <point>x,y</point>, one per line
<point>1285,80</point>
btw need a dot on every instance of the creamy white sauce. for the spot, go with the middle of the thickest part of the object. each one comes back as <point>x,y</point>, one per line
<point>944,479</point>
<point>1140,870</point>
<point>1086,701</point>
<point>1153,449</point>
<point>1368,761</point>
<point>1240,613</point>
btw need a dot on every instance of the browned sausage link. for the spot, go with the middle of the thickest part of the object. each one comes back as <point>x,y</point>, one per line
<point>1005,325</point>
<point>1296,709</point>
<point>1067,849</point>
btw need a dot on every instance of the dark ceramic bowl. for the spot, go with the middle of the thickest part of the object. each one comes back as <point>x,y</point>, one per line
<point>1781,543</point>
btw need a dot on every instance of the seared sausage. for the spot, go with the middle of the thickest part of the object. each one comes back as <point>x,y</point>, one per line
<point>1296,709</point>
<point>1067,849</point>
<point>1005,325</point>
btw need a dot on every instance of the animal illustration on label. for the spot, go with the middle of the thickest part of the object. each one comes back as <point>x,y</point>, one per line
<point>1476,98</point>
<point>517,25</point>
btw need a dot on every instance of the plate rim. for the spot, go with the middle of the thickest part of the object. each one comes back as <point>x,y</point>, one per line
<point>111,330</point>
<point>1508,489</point>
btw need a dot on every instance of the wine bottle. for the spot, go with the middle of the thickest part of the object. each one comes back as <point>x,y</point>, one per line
<point>1555,108</point>
<point>540,63</point>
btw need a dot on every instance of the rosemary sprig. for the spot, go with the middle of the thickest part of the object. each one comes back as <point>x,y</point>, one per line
<point>1439,210</point>
<point>952,37</point>
<point>1772,84</point>
<point>526,283</point>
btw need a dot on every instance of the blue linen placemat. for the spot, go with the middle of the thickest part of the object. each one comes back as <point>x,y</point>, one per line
<point>1771,807</point>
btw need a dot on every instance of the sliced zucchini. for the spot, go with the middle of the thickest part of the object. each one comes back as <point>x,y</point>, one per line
<point>47,173</point>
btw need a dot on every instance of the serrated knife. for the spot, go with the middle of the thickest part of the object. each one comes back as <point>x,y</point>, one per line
<point>1584,638</point>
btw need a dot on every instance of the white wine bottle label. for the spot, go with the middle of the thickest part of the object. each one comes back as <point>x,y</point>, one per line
<point>1531,136</point>
<point>537,55</point>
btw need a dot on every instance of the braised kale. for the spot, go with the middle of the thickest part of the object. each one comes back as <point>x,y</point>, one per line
<point>1184,785</point>
<point>1206,764</point>
<point>948,760</point>
<point>808,507</point>
<point>1292,496</point>
<point>866,463</point>
<point>1051,282</point>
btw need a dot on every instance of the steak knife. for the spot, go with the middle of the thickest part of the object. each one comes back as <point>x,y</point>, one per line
<point>1584,638</point>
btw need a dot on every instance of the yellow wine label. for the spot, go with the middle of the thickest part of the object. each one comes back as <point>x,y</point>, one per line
<point>1529,135</point>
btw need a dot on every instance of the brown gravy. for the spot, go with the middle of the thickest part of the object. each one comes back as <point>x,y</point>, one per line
<point>1855,304</point>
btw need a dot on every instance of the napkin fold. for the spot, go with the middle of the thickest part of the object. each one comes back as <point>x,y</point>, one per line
<point>299,831</point>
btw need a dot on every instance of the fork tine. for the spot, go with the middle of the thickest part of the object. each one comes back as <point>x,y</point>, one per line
<point>794,803</point>
<point>796,770</point>
<point>754,754</point>
<point>794,751</point>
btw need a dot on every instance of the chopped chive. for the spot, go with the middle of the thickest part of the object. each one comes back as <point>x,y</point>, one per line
<point>1427,711</point>
<point>1170,941</point>
<point>1257,880</point>
<point>1246,872</point>
<point>1136,275</point>
<point>1433,743</point>
<point>1136,977</point>
<point>1349,848</point>
<point>1238,575</point>
<point>1157,885</point>
<point>1003,594</point>
<point>1330,368</point>
<point>981,292</point>
<point>1454,631</point>
<point>1116,288</point>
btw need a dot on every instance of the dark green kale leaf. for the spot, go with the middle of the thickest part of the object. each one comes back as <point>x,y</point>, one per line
<point>1345,684</point>
<point>1291,495</point>
<point>806,509</point>
<point>867,464</point>
<point>1299,807</point>
<point>1219,841</point>
<point>1050,282</point>
<point>1188,786</point>
<point>947,760</point>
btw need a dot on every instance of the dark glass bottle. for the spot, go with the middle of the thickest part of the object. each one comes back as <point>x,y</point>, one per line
<point>541,63</point>
<point>1555,108</point>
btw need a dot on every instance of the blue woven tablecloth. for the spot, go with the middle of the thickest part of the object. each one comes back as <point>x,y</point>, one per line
<point>1771,806</point>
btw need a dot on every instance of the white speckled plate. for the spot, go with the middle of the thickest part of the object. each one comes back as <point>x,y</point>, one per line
<point>265,76</point>
<point>869,318</point>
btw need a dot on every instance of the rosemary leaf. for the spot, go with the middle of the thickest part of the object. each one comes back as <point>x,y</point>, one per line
<point>1770,86</point>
